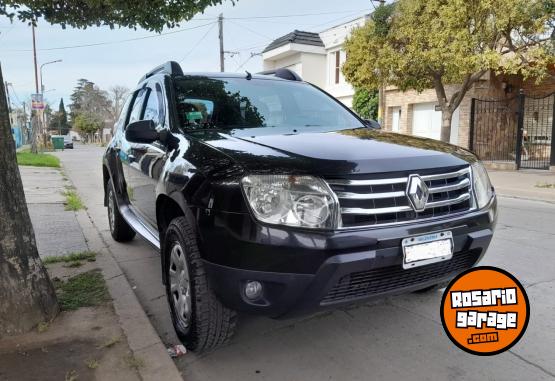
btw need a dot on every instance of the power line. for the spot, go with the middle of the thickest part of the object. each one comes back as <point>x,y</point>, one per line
<point>335,20</point>
<point>290,15</point>
<point>251,30</point>
<point>198,42</point>
<point>246,61</point>
<point>111,42</point>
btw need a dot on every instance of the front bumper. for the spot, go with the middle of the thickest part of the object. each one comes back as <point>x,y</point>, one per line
<point>302,272</point>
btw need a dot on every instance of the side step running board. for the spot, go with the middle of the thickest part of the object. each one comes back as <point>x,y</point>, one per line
<point>136,224</point>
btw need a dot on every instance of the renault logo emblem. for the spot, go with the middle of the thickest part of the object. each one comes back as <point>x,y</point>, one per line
<point>417,192</point>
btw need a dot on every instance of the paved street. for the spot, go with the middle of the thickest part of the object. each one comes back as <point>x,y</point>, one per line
<point>397,338</point>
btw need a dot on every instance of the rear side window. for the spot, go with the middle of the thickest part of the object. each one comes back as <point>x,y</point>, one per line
<point>124,112</point>
<point>137,106</point>
<point>155,109</point>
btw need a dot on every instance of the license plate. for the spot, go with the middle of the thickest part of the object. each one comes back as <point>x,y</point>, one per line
<point>426,249</point>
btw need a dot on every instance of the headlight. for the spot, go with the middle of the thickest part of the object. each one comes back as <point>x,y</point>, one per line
<point>302,201</point>
<point>482,185</point>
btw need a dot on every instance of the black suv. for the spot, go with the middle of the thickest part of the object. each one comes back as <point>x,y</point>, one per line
<point>266,195</point>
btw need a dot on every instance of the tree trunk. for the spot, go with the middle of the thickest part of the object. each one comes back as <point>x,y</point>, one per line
<point>34,130</point>
<point>446,117</point>
<point>27,296</point>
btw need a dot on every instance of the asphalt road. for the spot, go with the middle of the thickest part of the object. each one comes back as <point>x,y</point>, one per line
<point>396,338</point>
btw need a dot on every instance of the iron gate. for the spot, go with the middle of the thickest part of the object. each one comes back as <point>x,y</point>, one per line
<point>537,133</point>
<point>493,129</point>
<point>518,130</point>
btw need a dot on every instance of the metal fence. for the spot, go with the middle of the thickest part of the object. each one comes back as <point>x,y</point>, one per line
<point>537,134</point>
<point>493,130</point>
<point>516,130</point>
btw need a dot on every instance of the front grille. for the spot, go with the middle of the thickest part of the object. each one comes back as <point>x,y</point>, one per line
<point>377,201</point>
<point>373,282</point>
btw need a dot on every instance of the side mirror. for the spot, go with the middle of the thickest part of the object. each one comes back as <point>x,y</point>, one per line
<point>142,131</point>
<point>372,124</point>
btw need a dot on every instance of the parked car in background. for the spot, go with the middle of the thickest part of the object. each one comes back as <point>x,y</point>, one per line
<point>68,142</point>
<point>267,196</point>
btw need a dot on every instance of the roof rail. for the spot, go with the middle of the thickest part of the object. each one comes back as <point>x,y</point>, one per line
<point>283,74</point>
<point>170,68</point>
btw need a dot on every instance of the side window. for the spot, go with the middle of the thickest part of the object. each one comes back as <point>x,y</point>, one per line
<point>124,112</point>
<point>151,109</point>
<point>155,109</point>
<point>137,106</point>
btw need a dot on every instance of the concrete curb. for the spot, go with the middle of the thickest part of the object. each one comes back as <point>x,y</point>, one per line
<point>143,340</point>
<point>527,198</point>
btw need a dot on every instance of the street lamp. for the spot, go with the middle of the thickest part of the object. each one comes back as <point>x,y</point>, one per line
<point>43,121</point>
<point>41,66</point>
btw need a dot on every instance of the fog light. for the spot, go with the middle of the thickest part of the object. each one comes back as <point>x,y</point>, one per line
<point>253,289</point>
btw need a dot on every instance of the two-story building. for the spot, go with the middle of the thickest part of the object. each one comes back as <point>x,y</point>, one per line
<point>316,57</point>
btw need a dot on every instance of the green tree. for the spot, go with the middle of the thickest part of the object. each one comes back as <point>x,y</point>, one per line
<point>58,121</point>
<point>365,103</point>
<point>26,292</point>
<point>89,98</point>
<point>87,123</point>
<point>147,14</point>
<point>421,44</point>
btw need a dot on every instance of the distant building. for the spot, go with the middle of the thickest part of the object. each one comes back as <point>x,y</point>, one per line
<point>316,57</point>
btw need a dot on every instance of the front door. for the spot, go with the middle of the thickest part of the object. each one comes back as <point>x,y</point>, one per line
<point>145,162</point>
<point>395,118</point>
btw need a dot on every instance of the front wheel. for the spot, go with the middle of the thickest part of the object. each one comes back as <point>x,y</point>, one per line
<point>201,322</point>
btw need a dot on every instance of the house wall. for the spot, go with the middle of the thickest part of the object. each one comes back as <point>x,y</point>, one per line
<point>314,69</point>
<point>406,100</point>
<point>334,39</point>
<point>292,62</point>
<point>491,87</point>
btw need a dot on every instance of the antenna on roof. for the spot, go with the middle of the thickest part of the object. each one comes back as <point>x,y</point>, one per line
<point>249,75</point>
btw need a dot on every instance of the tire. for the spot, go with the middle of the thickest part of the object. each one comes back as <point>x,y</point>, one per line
<point>201,322</point>
<point>120,230</point>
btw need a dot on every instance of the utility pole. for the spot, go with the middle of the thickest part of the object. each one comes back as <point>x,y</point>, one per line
<point>221,36</point>
<point>35,59</point>
<point>34,119</point>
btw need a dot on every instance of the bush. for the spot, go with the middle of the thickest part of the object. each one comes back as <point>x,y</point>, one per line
<point>365,103</point>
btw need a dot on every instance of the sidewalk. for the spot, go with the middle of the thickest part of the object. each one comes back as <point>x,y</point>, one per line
<point>56,230</point>
<point>109,339</point>
<point>524,184</point>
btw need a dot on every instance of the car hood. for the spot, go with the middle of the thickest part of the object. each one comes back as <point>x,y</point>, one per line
<point>343,152</point>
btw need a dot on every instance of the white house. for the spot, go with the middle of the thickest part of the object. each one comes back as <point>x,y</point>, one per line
<point>316,57</point>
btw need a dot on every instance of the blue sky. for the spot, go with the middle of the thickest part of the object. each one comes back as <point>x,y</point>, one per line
<point>124,63</point>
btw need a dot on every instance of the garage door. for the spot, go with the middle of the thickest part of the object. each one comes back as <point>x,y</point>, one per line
<point>426,122</point>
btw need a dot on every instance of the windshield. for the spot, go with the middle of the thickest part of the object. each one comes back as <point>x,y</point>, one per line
<point>236,103</point>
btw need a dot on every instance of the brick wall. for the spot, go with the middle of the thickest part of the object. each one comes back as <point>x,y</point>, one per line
<point>491,87</point>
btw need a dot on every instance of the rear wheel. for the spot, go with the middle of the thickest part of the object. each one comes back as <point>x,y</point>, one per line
<point>119,228</point>
<point>200,320</point>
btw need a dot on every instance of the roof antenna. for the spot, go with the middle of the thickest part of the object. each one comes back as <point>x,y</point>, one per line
<point>249,75</point>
